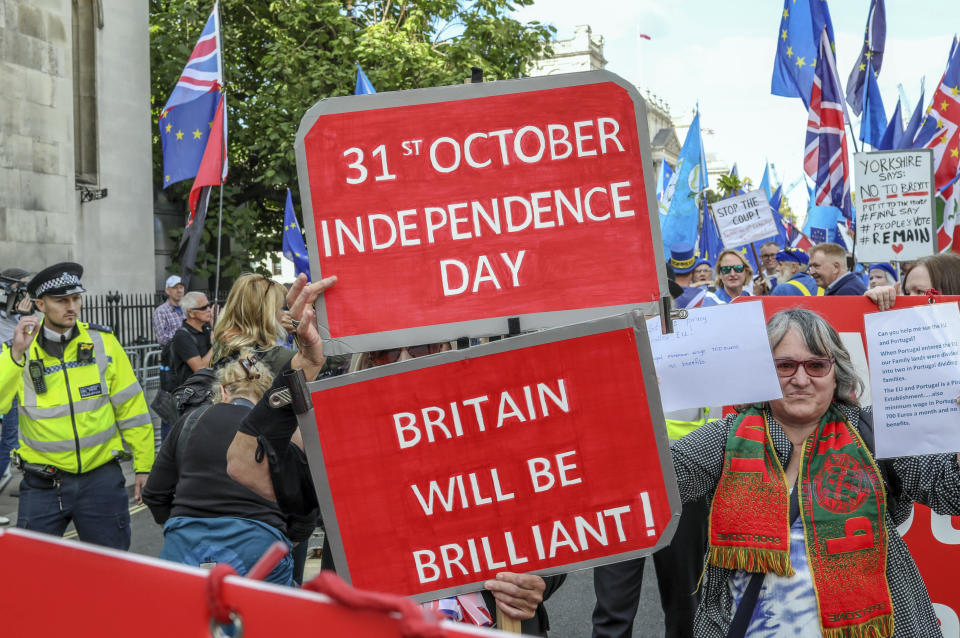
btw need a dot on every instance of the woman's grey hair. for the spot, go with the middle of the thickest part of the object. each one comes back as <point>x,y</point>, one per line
<point>822,340</point>
<point>192,300</point>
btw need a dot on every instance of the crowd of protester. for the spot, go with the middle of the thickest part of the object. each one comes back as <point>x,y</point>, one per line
<point>231,476</point>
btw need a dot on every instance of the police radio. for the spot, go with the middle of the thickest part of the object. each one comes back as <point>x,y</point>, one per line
<point>35,368</point>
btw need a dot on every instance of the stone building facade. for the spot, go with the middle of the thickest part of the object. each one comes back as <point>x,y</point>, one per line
<point>75,139</point>
<point>584,52</point>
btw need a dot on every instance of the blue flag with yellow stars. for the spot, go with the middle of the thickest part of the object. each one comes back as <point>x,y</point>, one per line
<point>184,132</point>
<point>293,247</point>
<point>871,54</point>
<point>797,44</point>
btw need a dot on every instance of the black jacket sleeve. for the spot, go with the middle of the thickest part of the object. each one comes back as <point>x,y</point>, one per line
<point>161,486</point>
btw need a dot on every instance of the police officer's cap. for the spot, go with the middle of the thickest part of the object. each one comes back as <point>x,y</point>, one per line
<point>58,280</point>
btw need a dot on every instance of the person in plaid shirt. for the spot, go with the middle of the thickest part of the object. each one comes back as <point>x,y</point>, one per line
<point>169,316</point>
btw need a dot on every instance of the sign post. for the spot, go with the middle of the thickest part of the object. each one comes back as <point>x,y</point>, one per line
<point>895,218</point>
<point>436,473</point>
<point>446,211</point>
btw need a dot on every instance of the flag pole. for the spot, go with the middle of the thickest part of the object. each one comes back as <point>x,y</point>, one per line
<point>223,153</point>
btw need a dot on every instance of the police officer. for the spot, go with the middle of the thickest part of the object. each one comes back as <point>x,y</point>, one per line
<point>79,400</point>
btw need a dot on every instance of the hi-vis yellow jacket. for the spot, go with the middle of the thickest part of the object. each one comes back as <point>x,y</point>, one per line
<point>91,400</point>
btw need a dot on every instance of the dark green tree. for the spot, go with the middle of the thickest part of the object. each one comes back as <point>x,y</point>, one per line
<point>282,56</point>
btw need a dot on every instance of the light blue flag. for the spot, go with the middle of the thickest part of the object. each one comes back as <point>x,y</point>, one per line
<point>293,247</point>
<point>364,87</point>
<point>873,123</point>
<point>681,221</point>
<point>765,185</point>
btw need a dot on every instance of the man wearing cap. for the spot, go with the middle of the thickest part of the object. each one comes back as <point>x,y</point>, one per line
<point>79,401</point>
<point>882,274</point>
<point>793,266</point>
<point>168,316</point>
<point>682,261</point>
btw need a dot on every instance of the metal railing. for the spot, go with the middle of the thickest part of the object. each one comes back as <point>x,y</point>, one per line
<point>129,314</point>
<point>145,360</point>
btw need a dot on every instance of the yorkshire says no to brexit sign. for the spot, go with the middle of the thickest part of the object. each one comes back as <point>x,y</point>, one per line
<point>445,211</point>
<point>436,473</point>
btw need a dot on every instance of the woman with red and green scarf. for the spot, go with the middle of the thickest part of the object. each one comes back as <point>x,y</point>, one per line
<point>803,524</point>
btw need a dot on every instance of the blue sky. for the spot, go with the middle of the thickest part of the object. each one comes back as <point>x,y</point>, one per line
<point>721,54</point>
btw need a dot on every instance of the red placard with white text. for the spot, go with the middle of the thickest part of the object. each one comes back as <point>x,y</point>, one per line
<point>933,539</point>
<point>94,598</point>
<point>454,208</point>
<point>542,453</point>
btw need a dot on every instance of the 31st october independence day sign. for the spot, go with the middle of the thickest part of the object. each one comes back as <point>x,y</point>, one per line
<point>445,211</point>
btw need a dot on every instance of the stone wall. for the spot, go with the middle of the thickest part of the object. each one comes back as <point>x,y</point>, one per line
<point>42,220</point>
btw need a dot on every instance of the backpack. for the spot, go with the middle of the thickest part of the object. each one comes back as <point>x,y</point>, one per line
<point>168,377</point>
<point>196,391</point>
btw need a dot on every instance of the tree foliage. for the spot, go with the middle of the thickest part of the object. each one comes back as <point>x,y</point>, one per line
<point>282,56</point>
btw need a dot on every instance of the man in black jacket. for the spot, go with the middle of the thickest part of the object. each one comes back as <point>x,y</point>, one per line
<point>828,267</point>
<point>266,434</point>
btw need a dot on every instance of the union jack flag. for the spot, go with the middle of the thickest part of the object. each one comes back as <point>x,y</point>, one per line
<point>796,238</point>
<point>186,123</point>
<point>204,71</point>
<point>825,157</point>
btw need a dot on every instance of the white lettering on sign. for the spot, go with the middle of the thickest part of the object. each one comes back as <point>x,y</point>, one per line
<point>543,477</point>
<point>474,555</point>
<point>434,422</point>
<point>457,493</point>
<point>460,221</point>
<point>949,621</point>
<point>943,529</point>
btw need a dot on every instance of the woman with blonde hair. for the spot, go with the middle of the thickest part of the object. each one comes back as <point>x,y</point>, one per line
<point>208,517</point>
<point>252,318</point>
<point>733,273</point>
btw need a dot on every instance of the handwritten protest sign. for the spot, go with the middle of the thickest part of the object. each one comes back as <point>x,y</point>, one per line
<point>687,361</point>
<point>458,207</point>
<point>542,453</point>
<point>896,209</point>
<point>743,219</point>
<point>914,358</point>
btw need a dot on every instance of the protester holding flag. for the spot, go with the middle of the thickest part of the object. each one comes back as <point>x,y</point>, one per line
<point>793,275</point>
<point>828,266</point>
<point>781,563</point>
<point>733,272</point>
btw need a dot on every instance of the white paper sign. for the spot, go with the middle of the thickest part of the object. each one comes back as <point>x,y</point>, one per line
<point>915,374</point>
<point>743,219</point>
<point>895,205</point>
<point>718,355</point>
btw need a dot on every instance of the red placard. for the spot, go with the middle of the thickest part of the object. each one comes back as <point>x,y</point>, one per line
<point>95,594</point>
<point>934,542</point>
<point>472,202</point>
<point>541,459</point>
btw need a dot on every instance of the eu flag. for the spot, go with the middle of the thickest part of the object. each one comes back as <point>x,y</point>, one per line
<point>187,117</point>
<point>293,247</point>
<point>891,137</point>
<point>797,44</point>
<point>364,87</point>
<point>871,54</point>
<point>906,141</point>
<point>873,124</point>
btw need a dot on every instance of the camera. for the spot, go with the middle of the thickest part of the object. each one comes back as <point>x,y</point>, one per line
<point>12,292</point>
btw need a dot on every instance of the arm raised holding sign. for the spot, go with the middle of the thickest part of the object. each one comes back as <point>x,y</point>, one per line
<point>816,438</point>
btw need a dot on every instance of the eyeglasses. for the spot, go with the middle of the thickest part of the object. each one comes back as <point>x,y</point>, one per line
<point>725,270</point>
<point>383,357</point>
<point>203,307</point>
<point>813,367</point>
<point>770,256</point>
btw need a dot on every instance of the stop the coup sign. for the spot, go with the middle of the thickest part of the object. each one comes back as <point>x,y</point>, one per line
<point>446,211</point>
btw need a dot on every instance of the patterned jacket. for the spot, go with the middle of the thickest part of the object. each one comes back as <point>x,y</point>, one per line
<point>932,480</point>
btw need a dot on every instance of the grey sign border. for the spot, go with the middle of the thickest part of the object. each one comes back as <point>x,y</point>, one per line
<point>933,190</point>
<point>634,320</point>
<point>487,326</point>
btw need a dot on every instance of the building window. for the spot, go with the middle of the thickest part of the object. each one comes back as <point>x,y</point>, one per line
<point>87,17</point>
